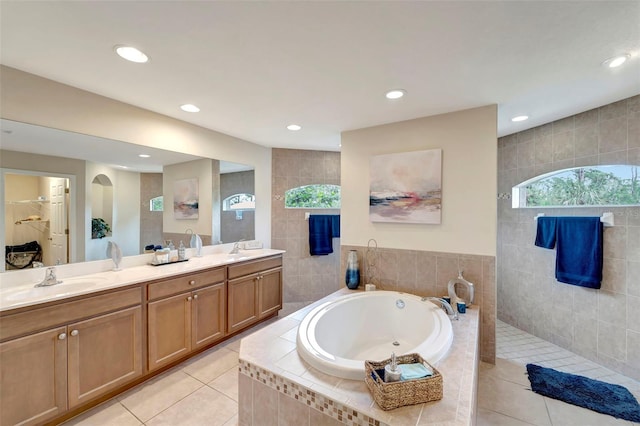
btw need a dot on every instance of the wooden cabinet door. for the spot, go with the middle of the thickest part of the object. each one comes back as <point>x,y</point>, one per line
<point>269,293</point>
<point>243,303</point>
<point>33,377</point>
<point>208,315</point>
<point>104,353</point>
<point>169,329</point>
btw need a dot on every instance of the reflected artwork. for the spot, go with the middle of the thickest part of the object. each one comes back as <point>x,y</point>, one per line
<point>406,187</point>
<point>185,199</point>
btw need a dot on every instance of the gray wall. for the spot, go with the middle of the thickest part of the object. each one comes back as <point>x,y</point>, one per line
<point>306,278</point>
<point>232,230</point>
<point>150,222</point>
<point>602,325</point>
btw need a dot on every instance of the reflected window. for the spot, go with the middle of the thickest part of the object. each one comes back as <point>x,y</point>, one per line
<point>239,202</point>
<point>317,196</point>
<point>156,204</point>
<point>581,187</point>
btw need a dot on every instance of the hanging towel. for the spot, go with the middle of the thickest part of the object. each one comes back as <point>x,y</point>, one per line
<point>322,229</point>
<point>546,232</point>
<point>579,251</point>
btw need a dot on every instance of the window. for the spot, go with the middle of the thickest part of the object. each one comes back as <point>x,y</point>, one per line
<point>313,196</point>
<point>156,204</point>
<point>239,202</point>
<point>581,187</point>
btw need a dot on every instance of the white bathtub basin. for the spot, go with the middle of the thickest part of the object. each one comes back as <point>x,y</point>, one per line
<point>338,336</point>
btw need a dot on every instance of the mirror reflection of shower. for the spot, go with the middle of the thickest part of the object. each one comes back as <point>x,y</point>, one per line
<point>36,223</point>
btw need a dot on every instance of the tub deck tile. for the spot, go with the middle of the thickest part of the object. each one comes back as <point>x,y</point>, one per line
<point>269,357</point>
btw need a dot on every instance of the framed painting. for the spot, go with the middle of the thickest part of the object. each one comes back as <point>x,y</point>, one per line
<point>185,199</point>
<point>406,187</point>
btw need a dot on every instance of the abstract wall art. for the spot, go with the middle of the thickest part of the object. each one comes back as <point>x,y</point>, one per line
<point>185,199</point>
<point>406,187</point>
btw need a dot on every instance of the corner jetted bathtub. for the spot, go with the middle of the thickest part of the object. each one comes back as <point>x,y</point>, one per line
<point>338,336</point>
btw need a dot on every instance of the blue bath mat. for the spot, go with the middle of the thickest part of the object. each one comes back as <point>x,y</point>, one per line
<point>595,395</point>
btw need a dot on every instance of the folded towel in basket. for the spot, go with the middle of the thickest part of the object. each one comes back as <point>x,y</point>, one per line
<point>414,371</point>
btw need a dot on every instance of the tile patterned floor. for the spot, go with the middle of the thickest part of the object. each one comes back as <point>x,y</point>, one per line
<point>204,390</point>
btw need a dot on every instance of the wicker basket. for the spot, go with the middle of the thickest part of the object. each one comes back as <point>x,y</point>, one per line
<point>407,392</point>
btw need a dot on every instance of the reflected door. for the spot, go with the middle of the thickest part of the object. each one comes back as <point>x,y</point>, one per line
<point>58,242</point>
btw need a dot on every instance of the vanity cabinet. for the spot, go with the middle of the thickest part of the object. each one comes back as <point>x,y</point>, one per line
<point>194,317</point>
<point>255,291</point>
<point>87,348</point>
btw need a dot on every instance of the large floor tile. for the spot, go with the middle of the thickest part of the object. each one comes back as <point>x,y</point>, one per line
<point>111,413</point>
<point>211,364</point>
<point>505,370</point>
<point>206,406</point>
<point>512,400</point>
<point>563,414</point>
<point>491,418</point>
<point>152,397</point>
<point>227,383</point>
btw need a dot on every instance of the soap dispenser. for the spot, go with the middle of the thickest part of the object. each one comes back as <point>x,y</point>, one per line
<point>392,372</point>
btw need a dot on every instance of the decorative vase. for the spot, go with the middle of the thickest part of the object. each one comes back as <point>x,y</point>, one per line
<point>352,277</point>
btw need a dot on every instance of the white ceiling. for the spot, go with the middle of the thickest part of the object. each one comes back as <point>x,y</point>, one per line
<point>255,67</point>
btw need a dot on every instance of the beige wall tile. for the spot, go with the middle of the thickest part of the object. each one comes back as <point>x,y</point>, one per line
<point>613,134</point>
<point>292,412</point>
<point>265,405</point>
<point>616,109</point>
<point>611,341</point>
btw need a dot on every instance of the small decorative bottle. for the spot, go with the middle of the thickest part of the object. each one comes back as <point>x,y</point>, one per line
<point>181,251</point>
<point>352,277</point>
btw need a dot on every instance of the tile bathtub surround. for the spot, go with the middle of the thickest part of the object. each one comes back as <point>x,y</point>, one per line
<point>306,278</point>
<point>428,273</point>
<point>275,383</point>
<point>600,325</point>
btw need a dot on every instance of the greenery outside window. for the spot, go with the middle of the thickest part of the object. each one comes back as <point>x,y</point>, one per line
<point>590,186</point>
<point>156,204</point>
<point>318,196</point>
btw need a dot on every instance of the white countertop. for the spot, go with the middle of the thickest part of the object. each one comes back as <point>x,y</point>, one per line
<point>17,287</point>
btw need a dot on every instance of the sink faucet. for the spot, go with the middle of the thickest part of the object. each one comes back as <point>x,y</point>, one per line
<point>236,247</point>
<point>445,305</point>
<point>49,278</point>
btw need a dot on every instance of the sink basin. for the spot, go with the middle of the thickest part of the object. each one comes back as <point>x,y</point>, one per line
<point>68,285</point>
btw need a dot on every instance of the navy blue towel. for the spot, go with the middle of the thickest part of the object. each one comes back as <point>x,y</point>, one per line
<point>579,251</point>
<point>322,229</point>
<point>546,232</point>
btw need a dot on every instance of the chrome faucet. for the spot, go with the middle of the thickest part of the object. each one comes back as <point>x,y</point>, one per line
<point>444,304</point>
<point>236,247</point>
<point>49,278</point>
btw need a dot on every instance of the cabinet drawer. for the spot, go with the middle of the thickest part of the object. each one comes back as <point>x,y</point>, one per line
<point>253,266</point>
<point>185,283</point>
<point>54,315</point>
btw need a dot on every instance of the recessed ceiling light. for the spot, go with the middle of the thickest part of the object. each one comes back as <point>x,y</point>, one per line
<point>520,118</point>
<point>131,54</point>
<point>144,155</point>
<point>616,61</point>
<point>395,94</point>
<point>189,108</point>
<point>294,127</point>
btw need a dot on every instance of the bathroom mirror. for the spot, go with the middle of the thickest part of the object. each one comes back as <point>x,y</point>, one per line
<point>87,165</point>
<point>588,186</point>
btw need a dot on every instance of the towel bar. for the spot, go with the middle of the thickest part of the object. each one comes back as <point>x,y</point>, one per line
<point>606,218</point>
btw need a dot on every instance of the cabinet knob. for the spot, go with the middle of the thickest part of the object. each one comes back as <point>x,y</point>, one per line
<point>189,298</point>
<point>195,296</point>
<point>192,282</point>
<point>62,336</point>
<point>74,332</point>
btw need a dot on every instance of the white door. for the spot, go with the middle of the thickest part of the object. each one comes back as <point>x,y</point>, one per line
<point>58,242</point>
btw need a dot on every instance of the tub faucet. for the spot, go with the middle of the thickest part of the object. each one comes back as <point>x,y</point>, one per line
<point>444,304</point>
<point>49,278</point>
<point>236,247</point>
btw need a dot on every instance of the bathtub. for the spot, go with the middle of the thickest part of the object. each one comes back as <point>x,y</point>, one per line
<point>338,336</point>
